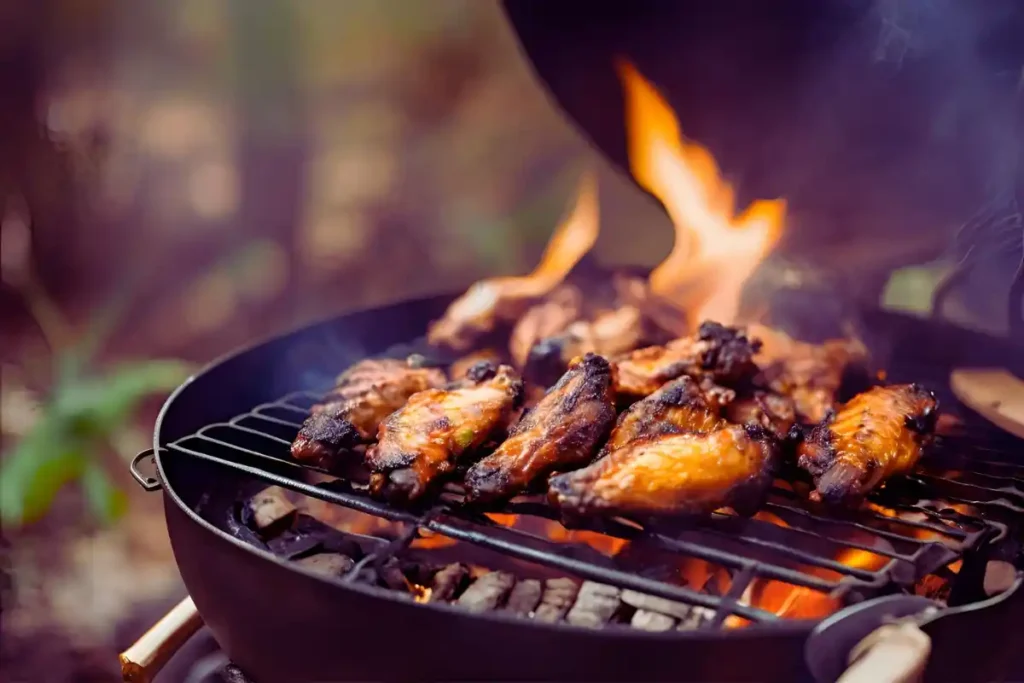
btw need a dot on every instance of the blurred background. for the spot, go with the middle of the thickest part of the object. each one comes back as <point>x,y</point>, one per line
<point>183,177</point>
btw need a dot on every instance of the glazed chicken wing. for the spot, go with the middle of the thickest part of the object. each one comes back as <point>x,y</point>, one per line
<point>723,354</point>
<point>608,315</point>
<point>775,412</point>
<point>673,474</point>
<point>424,441</point>
<point>678,407</point>
<point>810,374</point>
<point>561,432</point>
<point>363,395</point>
<point>879,433</point>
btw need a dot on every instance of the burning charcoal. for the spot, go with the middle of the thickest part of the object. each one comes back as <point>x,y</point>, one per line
<point>487,592</point>
<point>327,564</point>
<point>239,530</point>
<point>651,621</point>
<point>652,603</point>
<point>292,547</point>
<point>421,573</point>
<point>327,537</point>
<point>999,577</point>
<point>447,582</point>
<point>697,617</point>
<point>558,596</point>
<point>595,605</point>
<point>393,577</point>
<point>269,511</point>
<point>524,597</point>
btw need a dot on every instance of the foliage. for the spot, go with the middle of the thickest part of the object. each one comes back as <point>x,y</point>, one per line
<point>84,411</point>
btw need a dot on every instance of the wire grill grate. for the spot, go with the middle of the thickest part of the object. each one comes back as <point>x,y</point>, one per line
<point>915,527</point>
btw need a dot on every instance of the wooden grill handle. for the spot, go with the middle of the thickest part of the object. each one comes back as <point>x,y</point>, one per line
<point>141,662</point>
<point>894,653</point>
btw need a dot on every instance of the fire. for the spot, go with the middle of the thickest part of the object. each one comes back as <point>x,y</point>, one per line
<point>477,309</point>
<point>715,250</point>
<point>609,545</point>
<point>797,602</point>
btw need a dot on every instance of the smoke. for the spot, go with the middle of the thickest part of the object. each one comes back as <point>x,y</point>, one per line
<point>909,132</point>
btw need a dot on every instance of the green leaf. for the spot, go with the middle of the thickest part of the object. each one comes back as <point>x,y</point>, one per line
<point>94,407</point>
<point>107,502</point>
<point>40,465</point>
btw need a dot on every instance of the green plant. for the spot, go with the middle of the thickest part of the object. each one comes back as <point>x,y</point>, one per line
<point>84,409</point>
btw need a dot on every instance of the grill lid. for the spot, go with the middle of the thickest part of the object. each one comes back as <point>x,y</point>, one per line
<point>750,80</point>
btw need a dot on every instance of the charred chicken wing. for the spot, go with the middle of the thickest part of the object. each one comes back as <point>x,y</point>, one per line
<point>810,374</point>
<point>561,432</point>
<point>879,433</point>
<point>364,395</point>
<point>678,407</point>
<point>673,474</point>
<point>722,354</point>
<point>608,314</point>
<point>423,442</point>
<point>775,412</point>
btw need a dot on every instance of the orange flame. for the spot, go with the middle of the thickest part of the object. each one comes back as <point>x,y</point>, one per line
<point>572,239</point>
<point>797,602</point>
<point>715,251</point>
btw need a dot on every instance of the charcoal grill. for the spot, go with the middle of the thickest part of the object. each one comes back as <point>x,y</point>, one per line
<point>226,431</point>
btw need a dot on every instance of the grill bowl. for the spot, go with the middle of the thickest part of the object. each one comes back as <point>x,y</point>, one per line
<point>280,623</point>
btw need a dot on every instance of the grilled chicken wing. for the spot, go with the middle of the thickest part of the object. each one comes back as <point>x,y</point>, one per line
<point>678,407</point>
<point>775,412</point>
<point>561,432</point>
<point>423,441</point>
<point>462,366</point>
<point>614,316</point>
<point>723,354</point>
<point>364,395</point>
<point>810,374</point>
<point>673,474</point>
<point>877,434</point>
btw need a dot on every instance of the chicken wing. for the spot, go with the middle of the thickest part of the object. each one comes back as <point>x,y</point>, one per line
<point>423,442</point>
<point>775,412</point>
<point>673,474</point>
<point>364,395</point>
<point>723,354</point>
<point>678,407</point>
<point>810,374</point>
<point>610,315</point>
<point>879,433</point>
<point>561,432</point>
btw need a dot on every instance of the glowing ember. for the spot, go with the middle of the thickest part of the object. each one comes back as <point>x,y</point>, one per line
<point>428,539</point>
<point>715,250</point>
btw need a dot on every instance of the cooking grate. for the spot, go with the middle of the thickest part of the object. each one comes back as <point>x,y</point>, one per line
<point>917,526</point>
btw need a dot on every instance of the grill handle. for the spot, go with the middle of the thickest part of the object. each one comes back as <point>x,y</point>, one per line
<point>148,482</point>
<point>141,662</point>
<point>893,653</point>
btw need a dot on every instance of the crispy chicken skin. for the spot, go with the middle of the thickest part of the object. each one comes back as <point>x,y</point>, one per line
<point>810,374</point>
<point>423,441</point>
<point>363,395</point>
<point>673,475</point>
<point>678,407</point>
<point>723,354</point>
<point>775,412</point>
<point>877,434</point>
<point>561,432</point>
